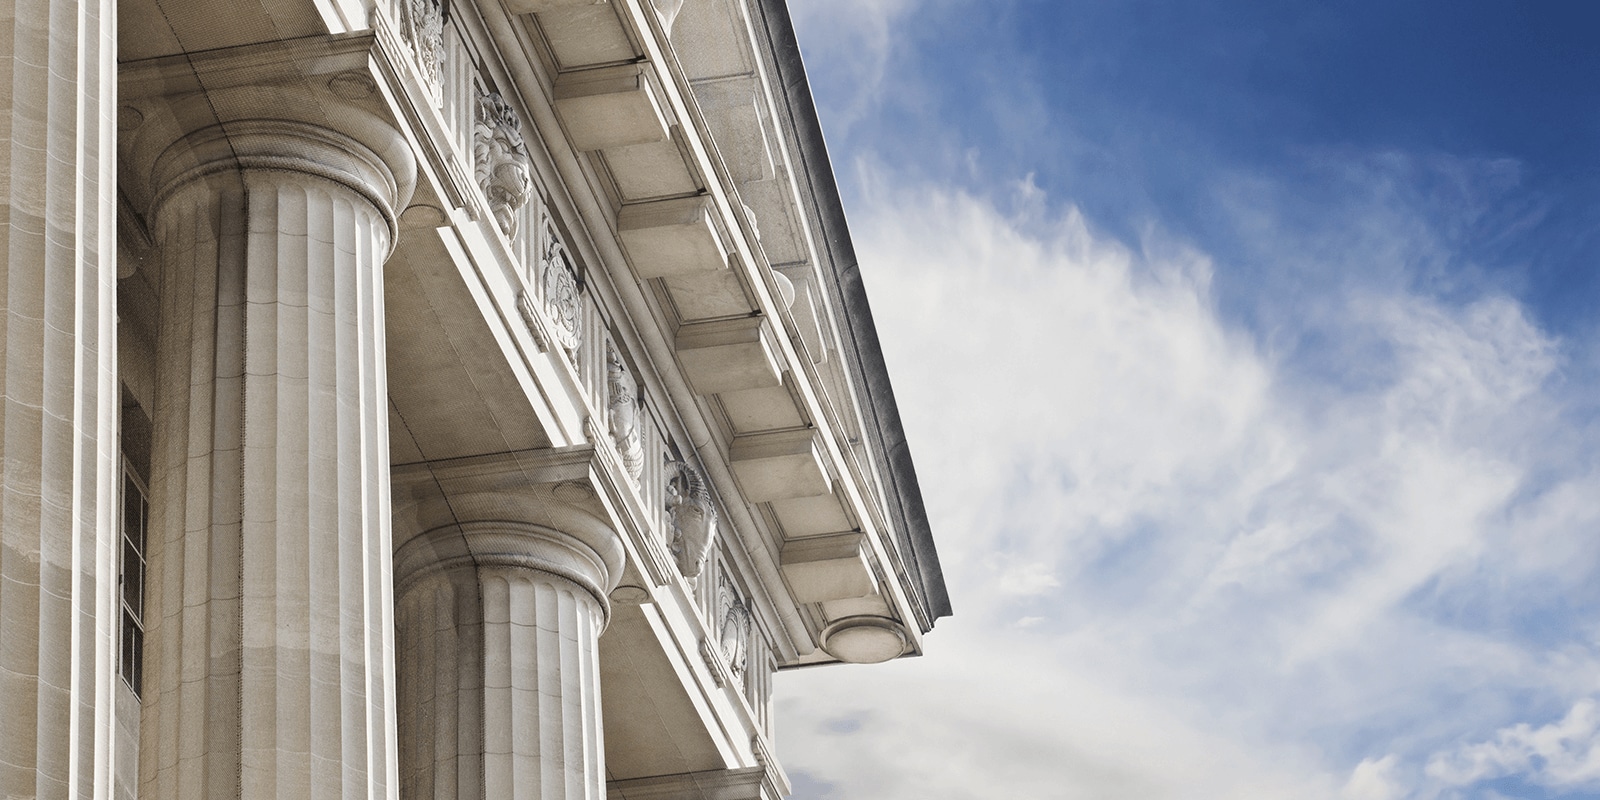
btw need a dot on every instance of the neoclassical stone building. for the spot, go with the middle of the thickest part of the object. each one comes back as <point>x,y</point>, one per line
<point>430,399</point>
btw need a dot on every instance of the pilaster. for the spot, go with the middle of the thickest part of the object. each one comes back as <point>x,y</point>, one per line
<point>58,397</point>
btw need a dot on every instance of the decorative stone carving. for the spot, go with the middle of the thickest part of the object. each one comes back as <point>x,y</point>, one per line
<point>562,295</point>
<point>668,11</point>
<point>714,664</point>
<point>693,516</point>
<point>526,308</point>
<point>501,161</point>
<point>733,626</point>
<point>422,26</point>
<point>623,394</point>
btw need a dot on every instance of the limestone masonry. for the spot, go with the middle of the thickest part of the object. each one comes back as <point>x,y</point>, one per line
<point>430,399</point>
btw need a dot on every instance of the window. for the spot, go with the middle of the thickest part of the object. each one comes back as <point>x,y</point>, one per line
<point>135,521</point>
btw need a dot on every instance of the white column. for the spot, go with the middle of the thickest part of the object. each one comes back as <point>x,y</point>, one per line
<point>58,397</point>
<point>269,654</point>
<point>498,626</point>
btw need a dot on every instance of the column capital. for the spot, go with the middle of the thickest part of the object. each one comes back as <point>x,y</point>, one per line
<point>286,146</point>
<point>538,509</point>
<point>484,544</point>
<point>317,106</point>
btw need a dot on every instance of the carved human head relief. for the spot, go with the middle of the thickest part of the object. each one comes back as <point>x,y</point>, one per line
<point>501,161</point>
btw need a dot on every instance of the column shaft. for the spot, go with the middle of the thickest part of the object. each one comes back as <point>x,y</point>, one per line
<point>58,397</point>
<point>499,685</point>
<point>269,653</point>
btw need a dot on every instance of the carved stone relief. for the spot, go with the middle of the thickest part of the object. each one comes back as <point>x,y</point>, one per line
<point>718,670</point>
<point>530,317</point>
<point>562,296</point>
<point>693,516</point>
<point>733,626</point>
<point>422,26</point>
<point>623,398</point>
<point>668,11</point>
<point>501,161</point>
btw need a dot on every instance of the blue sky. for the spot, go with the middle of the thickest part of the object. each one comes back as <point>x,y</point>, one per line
<point>1248,356</point>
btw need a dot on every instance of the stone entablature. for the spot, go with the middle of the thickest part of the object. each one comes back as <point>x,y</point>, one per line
<point>744,333</point>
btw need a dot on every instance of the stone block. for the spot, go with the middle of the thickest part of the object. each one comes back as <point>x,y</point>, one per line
<point>822,568</point>
<point>610,107</point>
<point>757,410</point>
<point>733,109</point>
<point>777,466</point>
<point>583,34</point>
<point>710,295</point>
<point>812,516</point>
<point>672,237</point>
<point>651,170</point>
<point>729,355</point>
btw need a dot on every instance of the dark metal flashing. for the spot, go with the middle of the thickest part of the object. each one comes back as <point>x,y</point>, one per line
<point>863,355</point>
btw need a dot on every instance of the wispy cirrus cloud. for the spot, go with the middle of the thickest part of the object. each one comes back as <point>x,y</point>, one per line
<point>849,45</point>
<point>1185,564</point>
<point>1261,478</point>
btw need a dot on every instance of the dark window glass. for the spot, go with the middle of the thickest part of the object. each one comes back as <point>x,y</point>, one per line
<point>135,520</point>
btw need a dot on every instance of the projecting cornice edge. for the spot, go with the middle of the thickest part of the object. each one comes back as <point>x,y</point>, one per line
<point>863,353</point>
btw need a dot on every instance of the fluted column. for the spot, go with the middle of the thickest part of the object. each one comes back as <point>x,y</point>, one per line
<point>498,627</point>
<point>268,646</point>
<point>58,397</point>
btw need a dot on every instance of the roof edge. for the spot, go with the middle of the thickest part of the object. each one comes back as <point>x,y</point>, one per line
<point>860,334</point>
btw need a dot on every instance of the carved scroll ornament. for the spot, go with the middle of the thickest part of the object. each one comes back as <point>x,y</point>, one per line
<point>623,394</point>
<point>501,161</point>
<point>693,516</point>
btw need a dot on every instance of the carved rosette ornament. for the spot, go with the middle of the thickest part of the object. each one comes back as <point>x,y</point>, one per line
<point>623,398</point>
<point>562,298</point>
<point>693,517</point>
<point>500,159</point>
<point>733,626</point>
<point>422,26</point>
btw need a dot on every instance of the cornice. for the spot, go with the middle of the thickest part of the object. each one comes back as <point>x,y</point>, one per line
<point>864,353</point>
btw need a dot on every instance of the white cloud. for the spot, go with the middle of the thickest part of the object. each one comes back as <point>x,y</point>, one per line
<point>1011,717</point>
<point>1183,566</point>
<point>1374,779</point>
<point>1564,754</point>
